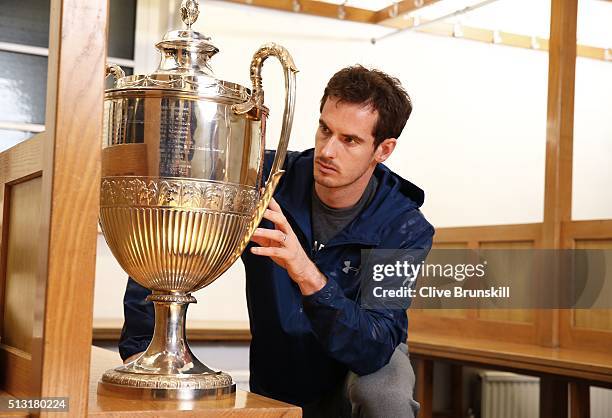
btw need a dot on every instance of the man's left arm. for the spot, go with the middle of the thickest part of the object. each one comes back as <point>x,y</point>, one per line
<point>362,339</point>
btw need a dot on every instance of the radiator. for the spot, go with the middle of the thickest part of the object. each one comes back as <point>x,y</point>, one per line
<point>509,395</point>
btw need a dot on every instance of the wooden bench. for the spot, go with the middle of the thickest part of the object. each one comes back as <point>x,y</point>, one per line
<point>564,373</point>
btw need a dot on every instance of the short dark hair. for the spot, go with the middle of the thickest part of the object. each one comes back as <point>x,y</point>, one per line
<point>385,94</point>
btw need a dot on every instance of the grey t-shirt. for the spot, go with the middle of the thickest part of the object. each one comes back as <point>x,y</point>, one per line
<point>327,221</point>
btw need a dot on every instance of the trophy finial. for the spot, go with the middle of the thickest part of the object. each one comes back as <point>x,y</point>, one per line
<point>189,12</point>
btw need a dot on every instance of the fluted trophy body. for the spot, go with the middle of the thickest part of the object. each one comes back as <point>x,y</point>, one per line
<point>180,184</point>
<point>181,195</point>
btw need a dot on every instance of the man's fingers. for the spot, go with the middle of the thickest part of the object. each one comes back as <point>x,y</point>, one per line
<point>277,218</point>
<point>274,206</point>
<point>269,251</point>
<point>264,242</point>
<point>271,234</point>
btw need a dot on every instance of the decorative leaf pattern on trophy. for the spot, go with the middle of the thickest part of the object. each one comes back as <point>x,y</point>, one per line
<point>154,192</point>
<point>213,197</point>
<point>169,193</point>
<point>248,198</point>
<point>107,193</point>
<point>149,192</point>
<point>130,192</point>
<point>190,196</point>
<point>229,198</point>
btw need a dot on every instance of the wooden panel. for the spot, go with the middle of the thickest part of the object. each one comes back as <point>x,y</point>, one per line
<point>507,315</point>
<point>449,245</point>
<point>244,404</point>
<point>442,313</point>
<point>23,160</point>
<point>600,319</point>
<point>506,245</point>
<point>588,329</point>
<point>16,372</point>
<point>513,332</point>
<point>521,283</point>
<point>70,193</point>
<point>21,264</point>
<point>21,163</point>
<point>316,8</point>
<point>474,235</point>
<point>511,325</point>
<point>587,230</point>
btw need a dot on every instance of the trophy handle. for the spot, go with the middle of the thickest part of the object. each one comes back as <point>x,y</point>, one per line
<point>114,70</point>
<point>256,100</point>
<point>257,95</point>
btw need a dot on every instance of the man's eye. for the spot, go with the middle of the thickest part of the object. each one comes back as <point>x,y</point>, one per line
<point>324,129</point>
<point>349,139</point>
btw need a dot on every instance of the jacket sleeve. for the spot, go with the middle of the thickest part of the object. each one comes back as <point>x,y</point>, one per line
<point>362,339</point>
<point>139,320</point>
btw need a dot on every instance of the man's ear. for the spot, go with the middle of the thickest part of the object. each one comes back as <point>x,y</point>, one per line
<point>384,149</point>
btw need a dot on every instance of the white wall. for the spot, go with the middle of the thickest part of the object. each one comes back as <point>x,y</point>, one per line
<point>475,142</point>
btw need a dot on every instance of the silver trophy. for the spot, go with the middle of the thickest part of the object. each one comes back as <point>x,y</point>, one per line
<point>181,194</point>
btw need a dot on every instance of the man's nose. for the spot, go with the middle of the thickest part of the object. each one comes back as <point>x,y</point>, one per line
<point>329,149</point>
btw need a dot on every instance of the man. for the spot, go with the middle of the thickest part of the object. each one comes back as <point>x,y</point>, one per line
<point>313,344</point>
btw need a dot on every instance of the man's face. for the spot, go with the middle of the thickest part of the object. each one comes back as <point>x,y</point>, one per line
<point>344,143</point>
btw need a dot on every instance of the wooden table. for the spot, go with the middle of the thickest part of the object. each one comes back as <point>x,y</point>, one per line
<point>244,404</point>
<point>563,372</point>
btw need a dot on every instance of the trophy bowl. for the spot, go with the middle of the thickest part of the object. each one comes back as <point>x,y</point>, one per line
<point>181,195</point>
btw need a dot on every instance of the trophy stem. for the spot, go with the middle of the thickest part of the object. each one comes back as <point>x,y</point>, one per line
<point>169,352</point>
<point>167,369</point>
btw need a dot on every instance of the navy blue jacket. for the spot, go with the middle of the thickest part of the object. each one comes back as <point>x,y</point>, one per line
<point>303,346</point>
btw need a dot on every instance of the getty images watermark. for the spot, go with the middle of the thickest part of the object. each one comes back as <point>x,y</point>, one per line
<point>466,279</point>
<point>408,273</point>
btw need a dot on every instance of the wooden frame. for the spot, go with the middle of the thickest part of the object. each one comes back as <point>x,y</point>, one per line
<point>473,323</point>
<point>67,159</point>
<point>571,335</point>
<point>489,36</point>
<point>386,17</point>
<point>18,165</point>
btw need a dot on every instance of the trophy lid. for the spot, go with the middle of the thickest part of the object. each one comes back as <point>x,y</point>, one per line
<point>185,65</point>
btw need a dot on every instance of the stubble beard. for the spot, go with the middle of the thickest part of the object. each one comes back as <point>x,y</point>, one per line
<point>321,181</point>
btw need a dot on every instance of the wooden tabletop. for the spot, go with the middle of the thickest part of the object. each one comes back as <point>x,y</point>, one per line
<point>525,358</point>
<point>244,404</point>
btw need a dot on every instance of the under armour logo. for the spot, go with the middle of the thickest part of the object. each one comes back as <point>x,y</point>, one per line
<point>347,267</point>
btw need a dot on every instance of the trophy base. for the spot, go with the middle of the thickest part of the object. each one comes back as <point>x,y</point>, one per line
<point>215,385</point>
